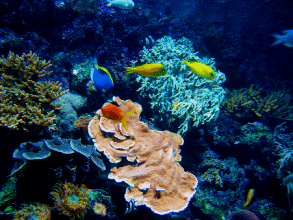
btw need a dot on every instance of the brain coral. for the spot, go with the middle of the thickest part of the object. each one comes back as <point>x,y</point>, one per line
<point>197,99</point>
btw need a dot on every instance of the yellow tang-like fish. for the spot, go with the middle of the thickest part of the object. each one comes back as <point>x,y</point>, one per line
<point>148,70</point>
<point>249,198</point>
<point>201,69</point>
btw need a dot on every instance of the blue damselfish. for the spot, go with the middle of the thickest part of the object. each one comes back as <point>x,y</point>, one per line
<point>101,79</point>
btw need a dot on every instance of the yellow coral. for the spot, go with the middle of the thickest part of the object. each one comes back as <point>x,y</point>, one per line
<point>248,103</point>
<point>25,103</point>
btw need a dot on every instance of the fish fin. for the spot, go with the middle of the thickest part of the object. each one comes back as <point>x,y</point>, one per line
<point>287,31</point>
<point>129,70</point>
<point>288,44</point>
<point>126,117</point>
<point>105,70</point>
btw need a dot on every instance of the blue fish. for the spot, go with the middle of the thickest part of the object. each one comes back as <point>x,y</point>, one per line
<point>101,79</point>
<point>286,39</point>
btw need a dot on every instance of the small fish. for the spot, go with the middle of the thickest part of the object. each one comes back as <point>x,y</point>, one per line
<point>148,70</point>
<point>113,112</point>
<point>123,4</point>
<point>101,79</point>
<point>147,41</point>
<point>286,39</point>
<point>249,198</point>
<point>175,105</point>
<point>200,69</point>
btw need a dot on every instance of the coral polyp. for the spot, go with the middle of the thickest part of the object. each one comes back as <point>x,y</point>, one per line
<point>37,211</point>
<point>70,200</point>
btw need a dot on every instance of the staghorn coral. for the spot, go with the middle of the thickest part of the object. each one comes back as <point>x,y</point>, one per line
<point>25,103</point>
<point>197,99</point>
<point>37,211</point>
<point>245,104</point>
<point>157,180</point>
<point>70,200</point>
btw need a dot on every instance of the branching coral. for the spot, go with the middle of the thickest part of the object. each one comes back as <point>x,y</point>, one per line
<point>25,103</point>
<point>38,211</point>
<point>249,103</point>
<point>197,99</point>
<point>70,200</point>
<point>157,180</point>
<point>212,174</point>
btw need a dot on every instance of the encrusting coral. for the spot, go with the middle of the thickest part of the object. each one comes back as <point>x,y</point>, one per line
<point>70,200</point>
<point>181,95</point>
<point>25,103</point>
<point>157,180</point>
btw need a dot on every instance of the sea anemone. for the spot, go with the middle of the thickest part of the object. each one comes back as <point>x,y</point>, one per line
<point>242,215</point>
<point>70,200</point>
<point>33,212</point>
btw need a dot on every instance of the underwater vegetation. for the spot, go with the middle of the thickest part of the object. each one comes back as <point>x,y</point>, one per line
<point>33,211</point>
<point>25,102</point>
<point>250,104</point>
<point>197,99</point>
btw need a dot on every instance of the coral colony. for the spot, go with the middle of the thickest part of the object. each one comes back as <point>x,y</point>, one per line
<point>197,99</point>
<point>157,180</point>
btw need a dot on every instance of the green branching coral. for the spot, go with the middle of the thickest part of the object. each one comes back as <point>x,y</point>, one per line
<point>197,100</point>
<point>26,103</point>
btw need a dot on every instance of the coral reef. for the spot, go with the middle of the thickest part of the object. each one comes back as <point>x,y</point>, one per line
<point>70,200</point>
<point>248,104</point>
<point>157,180</point>
<point>197,99</point>
<point>69,105</point>
<point>25,102</point>
<point>31,211</point>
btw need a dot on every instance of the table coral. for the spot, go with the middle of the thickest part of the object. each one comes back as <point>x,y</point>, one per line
<point>197,99</point>
<point>157,180</point>
<point>25,102</point>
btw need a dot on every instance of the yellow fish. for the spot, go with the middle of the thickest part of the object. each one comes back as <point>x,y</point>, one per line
<point>148,70</point>
<point>249,198</point>
<point>175,105</point>
<point>200,69</point>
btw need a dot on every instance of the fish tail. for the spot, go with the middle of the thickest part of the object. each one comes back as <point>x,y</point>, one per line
<point>279,39</point>
<point>185,62</point>
<point>129,70</point>
<point>126,117</point>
